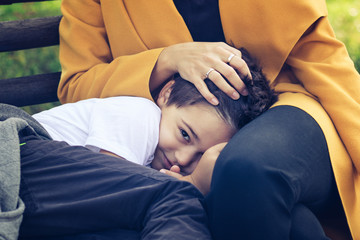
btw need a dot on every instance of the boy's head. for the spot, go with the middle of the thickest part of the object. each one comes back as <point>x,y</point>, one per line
<point>190,125</point>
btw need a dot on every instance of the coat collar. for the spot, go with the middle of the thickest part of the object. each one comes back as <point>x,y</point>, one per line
<point>246,23</point>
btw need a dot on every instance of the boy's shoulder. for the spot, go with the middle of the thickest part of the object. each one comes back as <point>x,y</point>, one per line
<point>129,107</point>
<point>130,102</point>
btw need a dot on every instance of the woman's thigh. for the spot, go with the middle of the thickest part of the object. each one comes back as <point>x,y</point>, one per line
<point>277,160</point>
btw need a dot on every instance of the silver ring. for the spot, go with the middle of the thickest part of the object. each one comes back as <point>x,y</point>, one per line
<point>208,72</point>
<point>230,57</point>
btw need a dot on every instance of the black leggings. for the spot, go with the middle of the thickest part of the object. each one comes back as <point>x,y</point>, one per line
<point>272,180</point>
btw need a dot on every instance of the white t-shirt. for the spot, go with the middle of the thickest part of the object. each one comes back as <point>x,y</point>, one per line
<point>125,126</point>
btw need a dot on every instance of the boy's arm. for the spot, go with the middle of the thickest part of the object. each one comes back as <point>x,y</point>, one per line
<point>111,154</point>
<point>201,176</point>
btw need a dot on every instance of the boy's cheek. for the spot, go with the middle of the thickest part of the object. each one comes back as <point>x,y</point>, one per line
<point>156,163</point>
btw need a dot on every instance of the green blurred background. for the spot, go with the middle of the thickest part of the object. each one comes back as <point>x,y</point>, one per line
<point>344,17</point>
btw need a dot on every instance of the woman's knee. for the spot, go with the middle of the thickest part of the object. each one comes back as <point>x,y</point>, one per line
<point>258,155</point>
<point>279,149</point>
<point>252,152</point>
<point>240,170</point>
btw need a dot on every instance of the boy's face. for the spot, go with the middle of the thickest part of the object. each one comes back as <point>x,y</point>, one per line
<point>186,133</point>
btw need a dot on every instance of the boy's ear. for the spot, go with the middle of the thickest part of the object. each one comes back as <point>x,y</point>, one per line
<point>165,93</point>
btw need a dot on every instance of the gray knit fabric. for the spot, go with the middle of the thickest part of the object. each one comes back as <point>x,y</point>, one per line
<point>9,111</point>
<point>11,206</point>
<point>12,120</point>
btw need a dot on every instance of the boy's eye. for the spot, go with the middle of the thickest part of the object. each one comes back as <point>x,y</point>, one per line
<point>185,135</point>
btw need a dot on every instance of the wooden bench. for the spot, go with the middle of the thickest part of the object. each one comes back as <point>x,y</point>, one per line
<point>37,89</point>
<point>26,34</point>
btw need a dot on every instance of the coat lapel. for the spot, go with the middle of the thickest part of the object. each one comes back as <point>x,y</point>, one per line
<point>269,35</point>
<point>157,22</point>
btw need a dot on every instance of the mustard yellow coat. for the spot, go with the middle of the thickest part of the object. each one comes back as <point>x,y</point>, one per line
<point>109,48</point>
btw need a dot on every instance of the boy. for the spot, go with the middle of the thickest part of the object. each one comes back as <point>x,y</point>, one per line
<point>175,132</point>
<point>73,193</point>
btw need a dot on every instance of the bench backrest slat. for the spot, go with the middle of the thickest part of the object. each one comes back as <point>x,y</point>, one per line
<point>26,34</point>
<point>29,33</point>
<point>30,90</point>
<point>8,2</point>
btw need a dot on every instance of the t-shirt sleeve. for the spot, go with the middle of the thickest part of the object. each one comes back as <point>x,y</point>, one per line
<point>125,126</point>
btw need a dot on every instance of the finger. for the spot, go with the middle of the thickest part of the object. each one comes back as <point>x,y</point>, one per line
<point>239,64</point>
<point>223,72</point>
<point>231,49</point>
<point>242,68</point>
<point>233,75</point>
<point>172,174</point>
<point>175,169</point>
<point>204,91</point>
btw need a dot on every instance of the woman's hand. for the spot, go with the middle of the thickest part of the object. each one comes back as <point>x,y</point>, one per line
<point>201,176</point>
<point>196,61</point>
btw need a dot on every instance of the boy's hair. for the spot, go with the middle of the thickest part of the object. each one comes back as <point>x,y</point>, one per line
<point>236,113</point>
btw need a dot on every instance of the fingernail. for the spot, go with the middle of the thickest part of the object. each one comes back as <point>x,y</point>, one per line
<point>214,101</point>
<point>236,95</point>
<point>163,170</point>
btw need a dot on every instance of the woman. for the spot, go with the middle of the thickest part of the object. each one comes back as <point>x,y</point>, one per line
<point>286,166</point>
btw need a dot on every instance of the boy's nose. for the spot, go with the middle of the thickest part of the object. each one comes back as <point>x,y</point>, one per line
<point>185,156</point>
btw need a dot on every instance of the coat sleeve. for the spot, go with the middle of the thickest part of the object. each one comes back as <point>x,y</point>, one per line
<point>89,68</point>
<point>321,63</point>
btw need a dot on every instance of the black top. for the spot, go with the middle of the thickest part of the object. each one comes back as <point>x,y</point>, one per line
<point>202,17</point>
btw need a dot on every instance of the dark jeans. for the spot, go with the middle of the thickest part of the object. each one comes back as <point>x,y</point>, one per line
<point>273,179</point>
<point>73,193</point>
